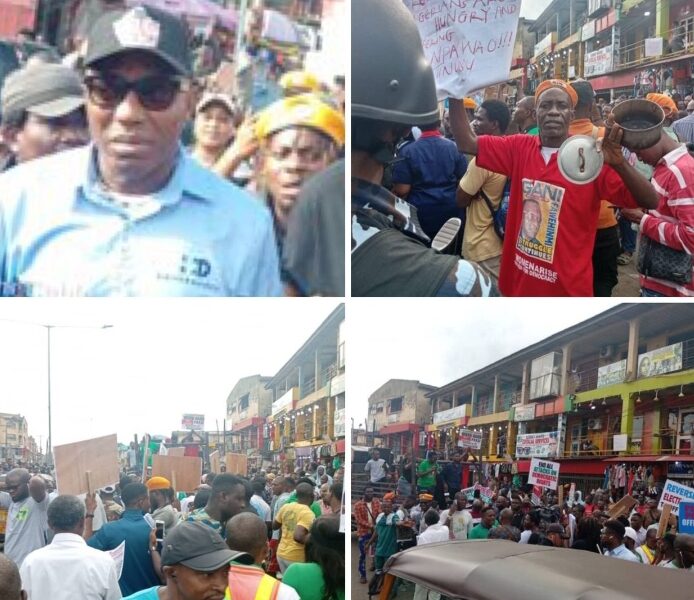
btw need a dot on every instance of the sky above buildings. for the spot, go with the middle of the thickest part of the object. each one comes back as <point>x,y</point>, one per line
<point>439,342</point>
<point>157,361</point>
<point>531,9</point>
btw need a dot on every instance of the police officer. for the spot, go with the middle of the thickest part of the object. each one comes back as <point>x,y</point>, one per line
<point>133,214</point>
<point>393,89</point>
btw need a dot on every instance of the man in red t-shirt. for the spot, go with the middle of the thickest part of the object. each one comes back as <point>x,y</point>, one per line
<point>557,261</point>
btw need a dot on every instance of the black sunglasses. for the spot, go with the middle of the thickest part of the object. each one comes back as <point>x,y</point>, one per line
<point>156,92</point>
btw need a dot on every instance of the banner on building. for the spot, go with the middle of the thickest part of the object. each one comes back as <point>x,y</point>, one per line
<point>452,414</point>
<point>284,403</point>
<point>537,444</point>
<point>598,62</point>
<point>339,423</point>
<point>469,439</point>
<point>661,360</point>
<point>654,46</point>
<point>612,373</point>
<point>544,473</point>
<point>468,47</point>
<point>524,412</point>
<point>673,494</point>
<point>193,422</point>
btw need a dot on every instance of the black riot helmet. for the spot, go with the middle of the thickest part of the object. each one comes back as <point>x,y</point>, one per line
<point>391,80</point>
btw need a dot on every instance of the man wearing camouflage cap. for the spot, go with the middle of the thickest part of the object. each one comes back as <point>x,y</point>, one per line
<point>42,108</point>
<point>133,214</point>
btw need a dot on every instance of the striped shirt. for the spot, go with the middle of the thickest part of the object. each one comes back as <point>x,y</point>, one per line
<point>672,223</point>
<point>684,128</point>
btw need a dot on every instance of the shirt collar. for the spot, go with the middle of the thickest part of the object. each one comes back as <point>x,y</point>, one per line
<point>674,155</point>
<point>188,178</point>
<point>68,538</point>
<point>428,134</point>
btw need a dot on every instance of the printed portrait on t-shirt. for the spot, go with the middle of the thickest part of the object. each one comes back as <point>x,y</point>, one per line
<point>540,219</point>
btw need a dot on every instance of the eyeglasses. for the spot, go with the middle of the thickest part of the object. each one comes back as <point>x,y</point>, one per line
<point>156,92</point>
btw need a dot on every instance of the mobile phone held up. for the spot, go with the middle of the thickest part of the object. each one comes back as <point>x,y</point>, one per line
<point>159,526</point>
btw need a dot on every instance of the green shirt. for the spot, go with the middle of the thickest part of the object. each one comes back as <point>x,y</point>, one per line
<point>426,481</point>
<point>307,580</point>
<point>315,507</point>
<point>480,532</point>
<point>386,529</point>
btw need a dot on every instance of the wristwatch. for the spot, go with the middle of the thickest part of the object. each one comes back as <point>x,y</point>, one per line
<point>89,516</point>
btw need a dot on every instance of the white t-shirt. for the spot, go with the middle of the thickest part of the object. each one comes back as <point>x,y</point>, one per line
<point>461,523</point>
<point>547,153</point>
<point>377,469</point>
<point>262,508</point>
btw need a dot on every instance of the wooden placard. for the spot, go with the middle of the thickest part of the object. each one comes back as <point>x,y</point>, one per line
<point>87,464</point>
<point>214,461</point>
<point>237,464</point>
<point>622,506</point>
<point>664,518</point>
<point>561,496</point>
<point>179,451</point>
<point>183,472</point>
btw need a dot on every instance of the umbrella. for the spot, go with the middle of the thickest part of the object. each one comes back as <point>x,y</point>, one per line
<point>279,28</point>
<point>201,10</point>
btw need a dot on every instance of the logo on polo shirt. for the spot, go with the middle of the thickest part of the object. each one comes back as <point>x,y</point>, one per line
<point>195,266</point>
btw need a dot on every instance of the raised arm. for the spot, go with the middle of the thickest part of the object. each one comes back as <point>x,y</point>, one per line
<point>465,138</point>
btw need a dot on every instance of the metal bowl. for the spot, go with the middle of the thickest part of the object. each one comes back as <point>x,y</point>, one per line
<point>578,159</point>
<point>642,122</point>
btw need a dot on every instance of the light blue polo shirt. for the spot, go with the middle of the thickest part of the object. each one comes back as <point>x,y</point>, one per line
<point>63,234</point>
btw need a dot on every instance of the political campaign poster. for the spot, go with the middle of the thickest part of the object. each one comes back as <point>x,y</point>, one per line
<point>686,517</point>
<point>598,62</point>
<point>468,43</point>
<point>544,473</point>
<point>661,360</point>
<point>184,472</point>
<point>612,373</point>
<point>86,465</point>
<point>524,412</point>
<point>469,439</point>
<point>485,494</point>
<point>537,444</point>
<point>673,494</point>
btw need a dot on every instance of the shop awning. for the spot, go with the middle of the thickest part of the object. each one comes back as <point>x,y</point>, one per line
<point>651,458</point>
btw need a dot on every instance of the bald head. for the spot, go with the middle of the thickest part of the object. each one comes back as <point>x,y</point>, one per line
<point>304,493</point>
<point>10,583</point>
<point>247,532</point>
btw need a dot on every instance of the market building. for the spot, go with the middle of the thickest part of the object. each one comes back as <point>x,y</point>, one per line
<point>627,47</point>
<point>16,445</point>
<point>398,411</point>
<point>615,391</point>
<point>307,416</point>
<point>248,405</point>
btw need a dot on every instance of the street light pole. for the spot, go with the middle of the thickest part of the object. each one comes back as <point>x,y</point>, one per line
<point>49,454</point>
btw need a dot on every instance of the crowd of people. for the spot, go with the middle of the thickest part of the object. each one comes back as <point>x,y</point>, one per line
<point>445,504</point>
<point>521,226</point>
<point>163,181</point>
<point>269,535</point>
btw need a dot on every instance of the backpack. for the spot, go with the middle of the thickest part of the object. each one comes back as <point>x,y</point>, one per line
<point>499,214</point>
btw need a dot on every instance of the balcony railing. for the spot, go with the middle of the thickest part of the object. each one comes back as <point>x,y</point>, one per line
<point>634,54</point>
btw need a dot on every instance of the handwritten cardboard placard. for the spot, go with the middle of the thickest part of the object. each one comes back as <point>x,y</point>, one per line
<point>468,43</point>
<point>544,473</point>
<point>183,472</point>
<point>89,463</point>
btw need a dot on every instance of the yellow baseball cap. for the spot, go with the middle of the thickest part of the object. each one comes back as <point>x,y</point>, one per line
<point>300,79</point>
<point>304,110</point>
<point>158,483</point>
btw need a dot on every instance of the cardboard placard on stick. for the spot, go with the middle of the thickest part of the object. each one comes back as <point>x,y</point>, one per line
<point>624,505</point>
<point>86,466</point>
<point>183,472</point>
<point>664,518</point>
<point>237,464</point>
<point>214,461</point>
<point>561,496</point>
<point>180,451</point>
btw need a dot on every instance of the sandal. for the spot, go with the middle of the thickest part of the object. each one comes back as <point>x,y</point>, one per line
<point>624,259</point>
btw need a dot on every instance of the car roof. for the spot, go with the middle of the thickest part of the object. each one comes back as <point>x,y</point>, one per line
<point>493,569</point>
